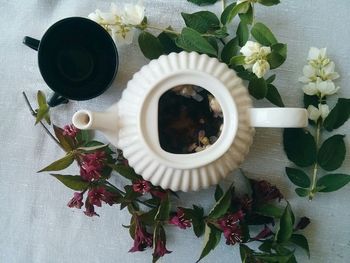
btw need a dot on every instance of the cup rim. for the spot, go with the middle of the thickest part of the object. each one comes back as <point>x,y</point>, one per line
<point>97,26</point>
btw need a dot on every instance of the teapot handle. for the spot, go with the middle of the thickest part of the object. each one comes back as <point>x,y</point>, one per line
<point>279,117</point>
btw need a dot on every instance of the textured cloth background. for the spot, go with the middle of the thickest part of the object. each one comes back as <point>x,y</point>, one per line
<point>35,224</point>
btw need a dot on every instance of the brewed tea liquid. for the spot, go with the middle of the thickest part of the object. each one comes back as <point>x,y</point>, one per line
<point>189,119</point>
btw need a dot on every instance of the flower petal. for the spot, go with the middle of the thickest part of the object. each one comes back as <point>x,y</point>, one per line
<point>310,89</point>
<point>314,113</point>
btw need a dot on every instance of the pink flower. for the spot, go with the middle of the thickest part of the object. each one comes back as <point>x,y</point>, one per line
<point>76,201</point>
<point>160,249</point>
<point>180,220</point>
<point>92,165</point>
<point>98,194</point>
<point>141,186</point>
<point>266,232</point>
<point>233,235</point>
<point>142,238</point>
<point>230,226</point>
<point>70,130</point>
<point>90,210</point>
<point>264,191</point>
<point>158,193</point>
<point>230,220</point>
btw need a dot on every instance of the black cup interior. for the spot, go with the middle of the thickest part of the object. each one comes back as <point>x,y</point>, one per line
<point>77,58</point>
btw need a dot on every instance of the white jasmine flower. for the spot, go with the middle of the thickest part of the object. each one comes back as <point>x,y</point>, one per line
<point>316,53</point>
<point>256,58</point>
<point>120,23</point>
<point>326,88</point>
<point>315,113</point>
<point>310,74</point>
<point>122,35</point>
<point>260,68</point>
<point>320,88</point>
<point>133,14</point>
<point>328,73</point>
<point>317,57</point>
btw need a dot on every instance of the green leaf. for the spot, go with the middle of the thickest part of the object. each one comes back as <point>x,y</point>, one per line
<point>286,225</point>
<point>226,12</point>
<point>59,164</point>
<point>263,35</point>
<point>271,79</point>
<point>126,171</point>
<point>269,2</point>
<point>230,50</point>
<point>66,142</point>
<point>246,254</point>
<point>211,240</point>
<point>191,40</point>
<point>269,210</point>
<point>218,193</point>
<point>41,99</point>
<point>71,181</point>
<point>42,113</point>
<point>237,60</point>
<point>197,217</point>
<point>274,257</point>
<point>302,192</point>
<point>332,153</point>
<point>338,115</point>
<point>266,246</point>
<point>242,33</point>
<point>202,21</point>
<point>222,205</point>
<point>258,88</point>
<point>299,146</point>
<point>232,10</point>
<point>168,42</point>
<point>247,75</point>
<point>148,217</point>
<point>311,100</point>
<point>333,182</point>
<point>83,136</point>
<point>301,241</point>
<point>277,56</point>
<point>248,16</point>
<point>202,2</point>
<point>298,177</point>
<point>163,210</point>
<point>273,95</point>
<point>213,42</point>
<point>221,32</point>
<point>150,45</point>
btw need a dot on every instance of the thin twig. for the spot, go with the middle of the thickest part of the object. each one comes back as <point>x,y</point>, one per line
<point>42,124</point>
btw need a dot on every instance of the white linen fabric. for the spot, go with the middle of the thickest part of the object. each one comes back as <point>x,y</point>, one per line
<point>35,223</point>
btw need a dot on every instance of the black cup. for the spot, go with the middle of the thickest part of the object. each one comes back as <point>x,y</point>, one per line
<point>77,59</point>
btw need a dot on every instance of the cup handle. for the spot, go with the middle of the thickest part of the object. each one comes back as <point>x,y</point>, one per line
<point>31,42</point>
<point>279,117</point>
<point>56,99</point>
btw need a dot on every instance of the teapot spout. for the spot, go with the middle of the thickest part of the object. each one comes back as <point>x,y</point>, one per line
<point>106,122</point>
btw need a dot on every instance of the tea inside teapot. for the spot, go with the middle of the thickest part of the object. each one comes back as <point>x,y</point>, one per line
<point>189,119</point>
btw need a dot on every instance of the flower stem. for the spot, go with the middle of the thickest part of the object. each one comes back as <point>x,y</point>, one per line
<point>163,29</point>
<point>42,124</point>
<point>315,169</point>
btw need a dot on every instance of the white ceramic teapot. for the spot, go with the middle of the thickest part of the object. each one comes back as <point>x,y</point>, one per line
<point>131,124</point>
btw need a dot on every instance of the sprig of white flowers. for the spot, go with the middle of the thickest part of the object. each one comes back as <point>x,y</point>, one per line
<point>121,23</point>
<point>318,76</point>
<point>255,58</point>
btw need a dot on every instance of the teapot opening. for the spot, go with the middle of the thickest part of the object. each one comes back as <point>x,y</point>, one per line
<point>190,119</point>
